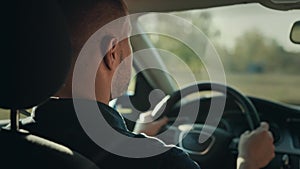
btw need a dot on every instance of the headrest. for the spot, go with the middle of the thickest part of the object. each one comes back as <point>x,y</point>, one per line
<point>36,53</point>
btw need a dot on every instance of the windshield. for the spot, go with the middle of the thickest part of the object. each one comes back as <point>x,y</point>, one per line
<point>252,42</point>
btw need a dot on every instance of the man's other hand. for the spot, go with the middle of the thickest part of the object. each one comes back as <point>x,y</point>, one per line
<point>149,128</point>
<point>256,148</point>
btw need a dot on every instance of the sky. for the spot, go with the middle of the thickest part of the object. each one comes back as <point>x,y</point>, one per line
<point>234,20</point>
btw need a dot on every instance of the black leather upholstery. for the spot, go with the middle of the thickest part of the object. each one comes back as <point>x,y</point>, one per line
<point>26,151</point>
<point>35,55</point>
<point>35,60</point>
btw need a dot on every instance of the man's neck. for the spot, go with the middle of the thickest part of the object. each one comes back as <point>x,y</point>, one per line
<point>67,94</point>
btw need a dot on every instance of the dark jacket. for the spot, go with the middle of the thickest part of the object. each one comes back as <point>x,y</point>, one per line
<point>56,120</point>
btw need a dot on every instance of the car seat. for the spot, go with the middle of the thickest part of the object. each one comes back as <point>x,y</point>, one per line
<point>35,61</point>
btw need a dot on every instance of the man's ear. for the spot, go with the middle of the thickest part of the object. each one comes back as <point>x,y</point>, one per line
<point>110,57</point>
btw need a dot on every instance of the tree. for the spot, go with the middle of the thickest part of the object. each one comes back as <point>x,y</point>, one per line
<point>256,53</point>
<point>202,20</point>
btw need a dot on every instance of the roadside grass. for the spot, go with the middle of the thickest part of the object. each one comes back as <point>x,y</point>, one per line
<point>4,114</point>
<point>276,87</point>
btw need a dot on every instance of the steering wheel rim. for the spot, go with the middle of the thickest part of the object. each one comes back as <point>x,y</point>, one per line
<point>223,140</point>
<point>245,103</point>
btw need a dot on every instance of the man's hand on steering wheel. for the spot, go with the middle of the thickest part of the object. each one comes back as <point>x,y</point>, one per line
<point>256,148</point>
<point>147,126</point>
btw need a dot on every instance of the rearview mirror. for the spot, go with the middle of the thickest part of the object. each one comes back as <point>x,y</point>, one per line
<point>295,33</point>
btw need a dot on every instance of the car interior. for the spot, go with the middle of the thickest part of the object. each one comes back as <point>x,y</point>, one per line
<point>255,44</point>
<point>166,79</point>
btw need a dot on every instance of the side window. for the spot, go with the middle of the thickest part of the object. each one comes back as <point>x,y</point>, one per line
<point>4,114</point>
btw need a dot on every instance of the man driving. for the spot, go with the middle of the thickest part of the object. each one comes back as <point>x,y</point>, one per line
<point>57,120</point>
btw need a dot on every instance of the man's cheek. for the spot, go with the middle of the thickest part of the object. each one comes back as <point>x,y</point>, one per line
<point>121,78</point>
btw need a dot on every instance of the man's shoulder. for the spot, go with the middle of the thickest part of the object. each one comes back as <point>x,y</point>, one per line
<point>63,132</point>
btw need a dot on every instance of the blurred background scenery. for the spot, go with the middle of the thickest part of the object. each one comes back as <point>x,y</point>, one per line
<point>253,43</point>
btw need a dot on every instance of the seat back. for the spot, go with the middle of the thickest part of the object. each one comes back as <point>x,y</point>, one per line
<point>35,60</point>
<point>23,150</point>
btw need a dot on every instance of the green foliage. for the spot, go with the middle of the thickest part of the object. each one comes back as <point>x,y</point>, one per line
<point>256,53</point>
<point>253,51</point>
<point>180,50</point>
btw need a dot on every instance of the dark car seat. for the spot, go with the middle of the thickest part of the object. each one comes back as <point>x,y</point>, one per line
<point>35,59</point>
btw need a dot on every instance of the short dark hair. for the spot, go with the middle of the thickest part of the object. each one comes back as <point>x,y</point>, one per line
<point>84,17</point>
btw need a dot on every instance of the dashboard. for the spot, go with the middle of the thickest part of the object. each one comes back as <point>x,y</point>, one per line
<point>284,121</point>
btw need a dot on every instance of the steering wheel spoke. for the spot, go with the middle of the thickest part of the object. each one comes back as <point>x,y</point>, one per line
<point>233,146</point>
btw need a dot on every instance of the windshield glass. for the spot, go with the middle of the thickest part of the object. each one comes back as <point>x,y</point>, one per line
<point>253,43</point>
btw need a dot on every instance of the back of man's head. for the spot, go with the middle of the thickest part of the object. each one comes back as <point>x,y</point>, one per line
<point>85,17</point>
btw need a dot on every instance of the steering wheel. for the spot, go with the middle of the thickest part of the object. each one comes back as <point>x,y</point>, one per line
<point>217,146</point>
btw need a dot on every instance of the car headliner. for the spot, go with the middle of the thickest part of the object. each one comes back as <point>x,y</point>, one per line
<point>179,5</point>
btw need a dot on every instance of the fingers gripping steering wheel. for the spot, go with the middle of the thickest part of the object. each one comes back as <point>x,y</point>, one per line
<point>217,147</point>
